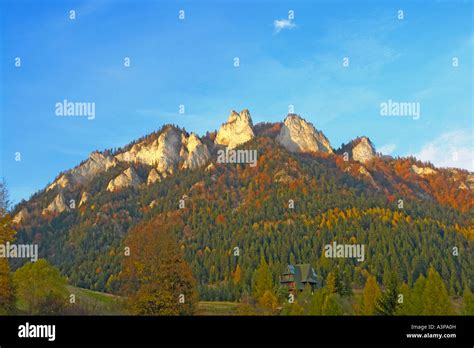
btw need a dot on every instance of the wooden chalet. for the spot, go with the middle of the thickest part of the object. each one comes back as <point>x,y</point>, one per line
<point>296,277</point>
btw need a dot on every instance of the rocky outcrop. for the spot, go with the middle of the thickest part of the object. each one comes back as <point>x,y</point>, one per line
<point>96,164</point>
<point>360,150</point>
<point>127,179</point>
<point>171,148</point>
<point>236,131</point>
<point>62,182</point>
<point>162,153</point>
<point>84,198</point>
<point>58,205</point>
<point>470,181</point>
<point>422,170</point>
<point>194,152</point>
<point>298,135</point>
<point>153,177</point>
<point>363,151</point>
<point>22,215</point>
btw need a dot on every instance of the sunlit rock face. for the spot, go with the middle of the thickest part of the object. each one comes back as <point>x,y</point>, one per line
<point>170,149</point>
<point>422,170</point>
<point>236,131</point>
<point>363,150</point>
<point>298,135</point>
<point>194,153</point>
<point>126,179</point>
<point>162,153</point>
<point>58,205</point>
<point>84,198</point>
<point>153,177</point>
<point>96,163</point>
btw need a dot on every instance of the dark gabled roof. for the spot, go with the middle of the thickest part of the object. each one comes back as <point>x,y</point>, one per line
<point>302,273</point>
<point>307,273</point>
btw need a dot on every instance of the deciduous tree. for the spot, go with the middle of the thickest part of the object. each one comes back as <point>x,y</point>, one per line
<point>370,295</point>
<point>40,288</point>
<point>155,276</point>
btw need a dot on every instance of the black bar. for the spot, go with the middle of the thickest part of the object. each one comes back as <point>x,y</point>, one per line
<point>346,330</point>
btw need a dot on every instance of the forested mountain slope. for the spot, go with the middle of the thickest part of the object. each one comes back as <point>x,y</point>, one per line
<point>300,195</point>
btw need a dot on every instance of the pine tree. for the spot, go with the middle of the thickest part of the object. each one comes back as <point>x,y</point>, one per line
<point>331,283</point>
<point>345,285</point>
<point>4,198</point>
<point>331,305</point>
<point>405,307</point>
<point>370,295</point>
<point>387,303</point>
<point>263,280</point>
<point>468,302</point>
<point>435,296</point>
<point>317,302</point>
<point>415,301</point>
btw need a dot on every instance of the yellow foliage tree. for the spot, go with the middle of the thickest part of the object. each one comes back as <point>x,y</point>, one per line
<point>237,274</point>
<point>369,296</point>
<point>7,298</point>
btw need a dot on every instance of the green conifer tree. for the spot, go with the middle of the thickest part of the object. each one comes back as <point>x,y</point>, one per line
<point>435,296</point>
<point>387,303</point>
<point>468,302</point>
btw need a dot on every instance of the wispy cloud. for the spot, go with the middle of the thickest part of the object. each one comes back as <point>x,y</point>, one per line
<point>450,149</point>
<point>387,149</point>
<point>281,24</point>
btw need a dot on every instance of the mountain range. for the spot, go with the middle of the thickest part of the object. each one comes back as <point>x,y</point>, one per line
<point>83,216</point>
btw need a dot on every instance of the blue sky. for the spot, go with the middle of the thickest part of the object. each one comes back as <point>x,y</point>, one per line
<point>191,62</point>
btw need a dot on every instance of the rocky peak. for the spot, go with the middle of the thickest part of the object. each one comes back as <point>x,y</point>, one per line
<point>58,205</point>
<point>298,135</point>
<point>237,130</point>
<point>126,179</point>
<point>362,150</point>
<point>194,152</point>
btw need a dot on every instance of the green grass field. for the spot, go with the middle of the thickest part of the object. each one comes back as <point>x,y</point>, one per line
<point>96,303</point>
<point>217,308</point>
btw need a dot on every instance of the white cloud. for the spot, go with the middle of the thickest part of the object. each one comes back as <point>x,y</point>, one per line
<point>280,24</point>
<point>450,149</point>
<point>387,149</point>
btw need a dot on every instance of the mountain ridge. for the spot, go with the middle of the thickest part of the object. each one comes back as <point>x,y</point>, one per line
<point>172,149</point>
<point>285,207</point>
